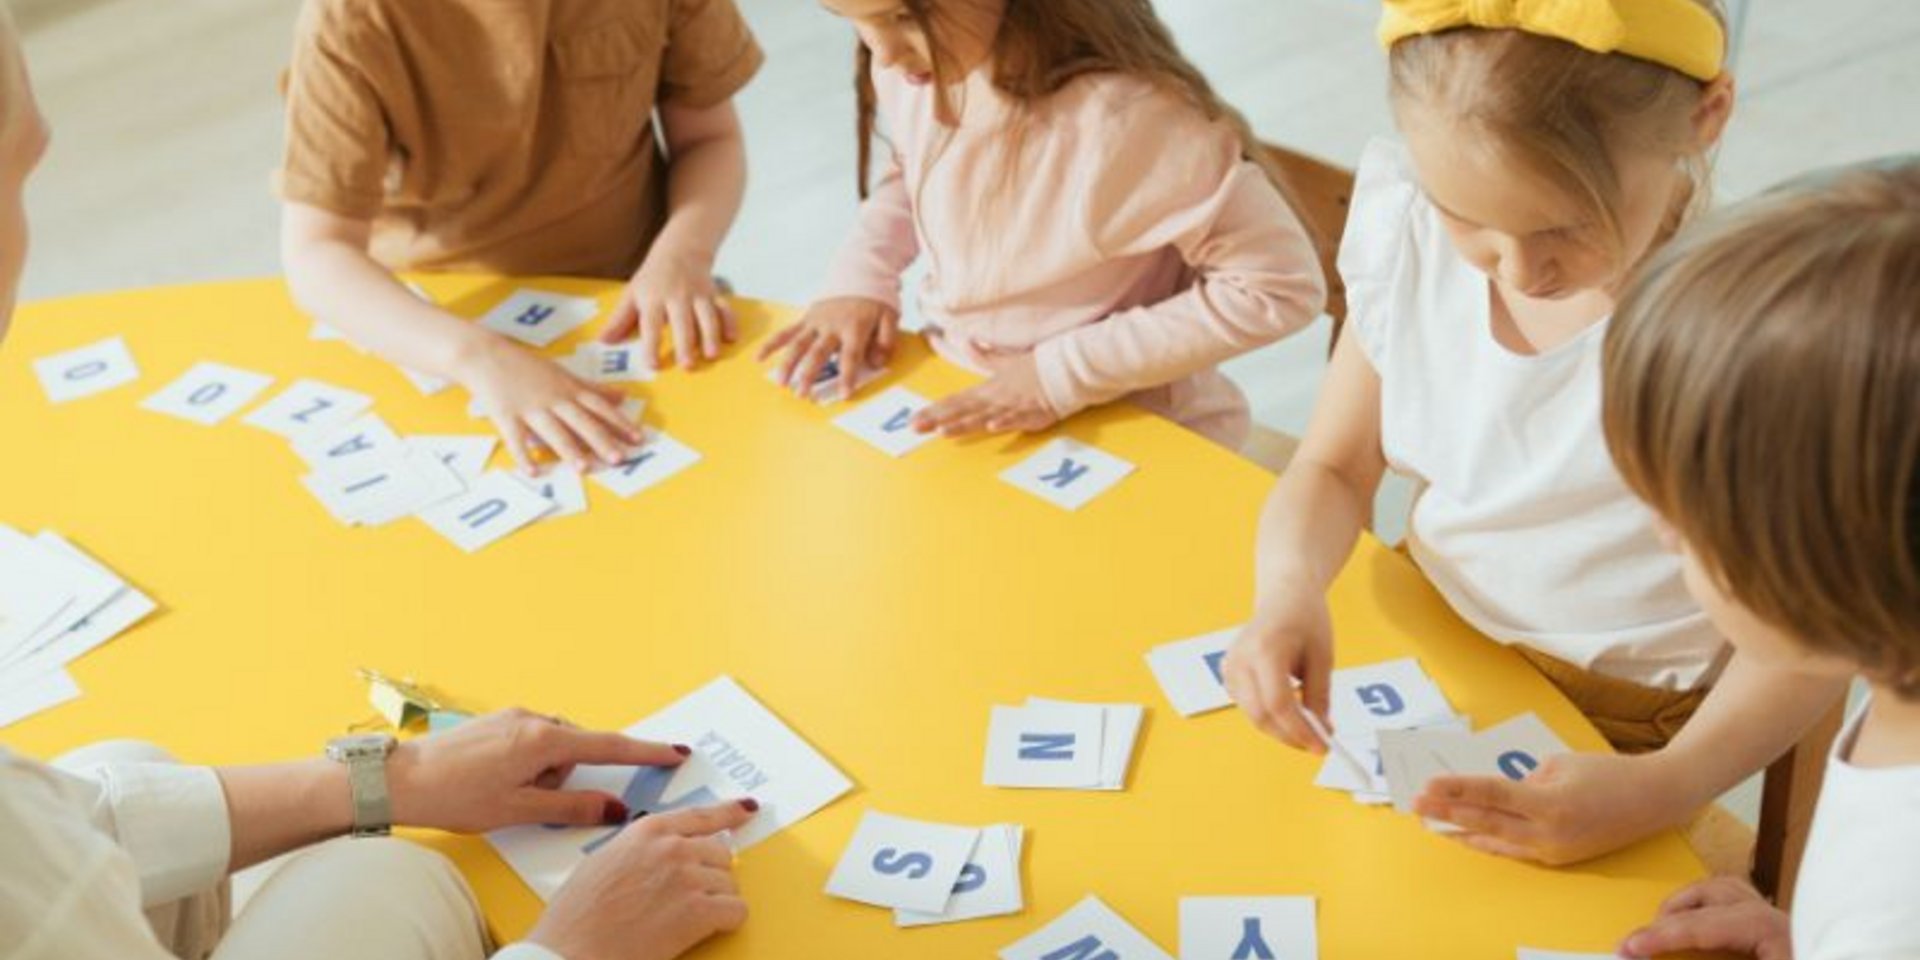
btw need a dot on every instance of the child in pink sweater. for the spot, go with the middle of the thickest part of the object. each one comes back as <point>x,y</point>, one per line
<point>1098,224</point>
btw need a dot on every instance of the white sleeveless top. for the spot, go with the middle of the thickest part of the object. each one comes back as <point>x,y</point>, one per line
<point>1519,517</point>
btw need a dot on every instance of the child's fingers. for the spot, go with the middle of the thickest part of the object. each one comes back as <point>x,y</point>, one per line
<point>853,355</point>
<point>944,411</point>
<point>708,320</point>
<point>607,410</point>
<point>1496,846</point>
<point>1493,793</point>
<point>729,323</point>
<point>515,437</point>
<point>621,325</point>
<point>686,339</point>
<point>1711,892</point>
<point>599,436</point>
<point>648,317</point>
<point>1275,693</point>
<point>1484,820</point>
<point>558,438</point>
<point>780,338</point>
<point>818,356</point>
<point>883,339</point>
<point>796,353</point>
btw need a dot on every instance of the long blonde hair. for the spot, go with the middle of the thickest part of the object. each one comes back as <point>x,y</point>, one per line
<point>1045,44</point>
<point>1557,110</point>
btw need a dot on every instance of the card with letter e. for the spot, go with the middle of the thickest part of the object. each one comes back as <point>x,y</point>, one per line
<point>906,864</point>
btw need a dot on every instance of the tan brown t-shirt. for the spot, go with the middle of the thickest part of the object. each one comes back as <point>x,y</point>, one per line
<point>507,136</point>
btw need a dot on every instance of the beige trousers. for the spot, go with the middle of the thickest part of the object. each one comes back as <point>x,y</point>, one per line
<point>383,899</point>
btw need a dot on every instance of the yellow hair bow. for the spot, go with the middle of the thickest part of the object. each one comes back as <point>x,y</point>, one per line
<point>1681,34</point>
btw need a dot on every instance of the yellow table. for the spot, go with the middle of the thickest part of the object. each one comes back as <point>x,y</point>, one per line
<point>879,606</point>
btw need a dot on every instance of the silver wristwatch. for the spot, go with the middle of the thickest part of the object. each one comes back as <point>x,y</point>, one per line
<point>366,758</point>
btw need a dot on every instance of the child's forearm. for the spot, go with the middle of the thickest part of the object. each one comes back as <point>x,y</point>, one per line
<point>1753,715</point>
<point>334,280</point>
<point>706,184</point>
<point>1307,531</point>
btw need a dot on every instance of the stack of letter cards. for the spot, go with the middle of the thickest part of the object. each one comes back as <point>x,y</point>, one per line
<point>1211,928</point>
<point>931,873</point>
<point>362,471</point>
<point>1062,745</point>
<point>1392,727</point>
<point>56,603</point>
<point>740,749</point>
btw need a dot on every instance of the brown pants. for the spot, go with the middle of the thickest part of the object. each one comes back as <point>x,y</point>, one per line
<point>1635,719</point>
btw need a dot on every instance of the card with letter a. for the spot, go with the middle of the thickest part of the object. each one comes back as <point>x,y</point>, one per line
<point>740,749</point>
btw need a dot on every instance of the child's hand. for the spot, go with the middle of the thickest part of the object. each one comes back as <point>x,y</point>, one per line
<point>852,328</point>
<point>531,399</point>
<point>1721,913</point>
<point>1289,639</point>
<point>1012,401</point>
<point>673,290</point>
<point>1575,806</point>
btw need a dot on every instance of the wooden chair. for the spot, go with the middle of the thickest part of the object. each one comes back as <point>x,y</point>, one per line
<point>1320,193</point>
<point>1786,808</point>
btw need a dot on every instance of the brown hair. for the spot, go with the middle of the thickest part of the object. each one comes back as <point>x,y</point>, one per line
<point>1762,393</point>
<point>1556,109</point>
<point>1045,44</point>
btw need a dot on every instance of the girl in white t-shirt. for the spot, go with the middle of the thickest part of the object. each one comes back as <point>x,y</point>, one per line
<point>1548,150</point>
<point>1762,382</point>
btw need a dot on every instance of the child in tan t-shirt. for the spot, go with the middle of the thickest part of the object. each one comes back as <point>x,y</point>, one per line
<point>515,138</point>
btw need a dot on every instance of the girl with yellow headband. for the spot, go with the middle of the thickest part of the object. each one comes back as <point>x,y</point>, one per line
<point>1550,146</point>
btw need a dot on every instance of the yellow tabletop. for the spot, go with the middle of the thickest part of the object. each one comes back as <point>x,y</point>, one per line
<point>879,606</point>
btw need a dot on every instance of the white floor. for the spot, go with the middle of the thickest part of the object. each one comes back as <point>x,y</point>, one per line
<point>166,120</point>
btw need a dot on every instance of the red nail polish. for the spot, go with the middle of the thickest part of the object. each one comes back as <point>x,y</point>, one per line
<point>750,805</point>
<point>615,813</point>
<point>683,750</point>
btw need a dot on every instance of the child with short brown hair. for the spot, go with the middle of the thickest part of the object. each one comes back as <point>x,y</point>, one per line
<point>1762,385</point>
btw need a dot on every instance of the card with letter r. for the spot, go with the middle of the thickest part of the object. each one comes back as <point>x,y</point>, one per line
<point>886,422</point>
<point>1068,473</point>
<point>740,749</point>
<point>538,317</point>
<point>907,864</point>
<point>1189,671</point>
<point>1248,928</point>
<point>1089,931</point>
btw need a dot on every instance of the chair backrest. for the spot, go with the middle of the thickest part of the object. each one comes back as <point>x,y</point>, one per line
<point>1787,801</point>
<point>1322,193</point>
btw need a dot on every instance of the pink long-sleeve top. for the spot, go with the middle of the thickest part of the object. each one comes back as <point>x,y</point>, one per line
<point>1131,250</point>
